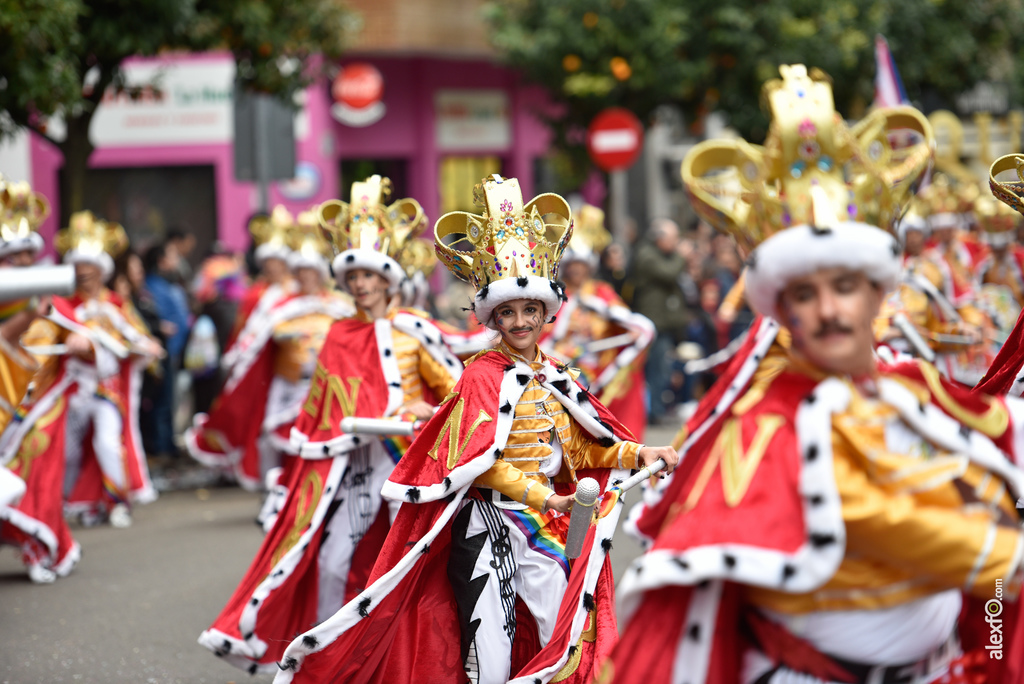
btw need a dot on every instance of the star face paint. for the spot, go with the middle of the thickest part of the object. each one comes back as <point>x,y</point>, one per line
<point>520,323</point>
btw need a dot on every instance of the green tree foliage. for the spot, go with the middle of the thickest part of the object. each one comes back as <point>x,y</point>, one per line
<point>60,56</point>
<point>715,54</point>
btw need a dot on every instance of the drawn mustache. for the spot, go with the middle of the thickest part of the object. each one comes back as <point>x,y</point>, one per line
<point>831,328</point>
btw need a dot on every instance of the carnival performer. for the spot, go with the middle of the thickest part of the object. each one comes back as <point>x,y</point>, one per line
<point>105,475</point>
<point>937,295</point>
<point>594,316</point>
<point>93,349</point>
<point>35,524</point>
<point>1001,270</point>
<point>473,582</point>
<point>270,235</point>
<point>834,515</point>
<point>271,363</point>
<point>383,362</point>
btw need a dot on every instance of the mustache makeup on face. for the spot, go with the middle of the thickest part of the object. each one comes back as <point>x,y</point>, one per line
<point>831,328</point>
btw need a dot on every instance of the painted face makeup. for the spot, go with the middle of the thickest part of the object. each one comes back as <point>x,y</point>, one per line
<point>520,323</point>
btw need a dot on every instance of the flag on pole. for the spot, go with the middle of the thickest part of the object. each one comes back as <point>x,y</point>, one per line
<point>889,90</point>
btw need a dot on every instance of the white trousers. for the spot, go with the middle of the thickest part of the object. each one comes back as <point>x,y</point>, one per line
<point>491,563</point>
<point>85,409</point>
<point>356,504</point>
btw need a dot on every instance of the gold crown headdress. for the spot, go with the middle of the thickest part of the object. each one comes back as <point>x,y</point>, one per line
<point>1009,192</point>
<point>418,257</point>
<point>998,222</point>
<point>91,240</point>
<point>813,169</point>
<point>818,194</point>
<point>368,234</point>
<point>307,243</point>
<point>271,234</point>
<point>589,236</point>
<point>515,248</point>
<point>23,211</point>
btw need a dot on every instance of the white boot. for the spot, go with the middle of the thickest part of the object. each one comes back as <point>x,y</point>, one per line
<point>120,516</point>
<point>40,575</point>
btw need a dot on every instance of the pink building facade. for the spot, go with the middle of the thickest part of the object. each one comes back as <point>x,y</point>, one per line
<point>437,120</point>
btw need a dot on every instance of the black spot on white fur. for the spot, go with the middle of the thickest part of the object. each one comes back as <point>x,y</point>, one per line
<point>387,266</point>
<point>811,453</point>
<point>522,281</point>
<point>289,663</point>
<point>820,231</point>
<point>253,669</point>
<point>413,494</point>
<point>523,379</point>
<point>364,607</point>
<point>588,601</point>
<point>822,539</point>
<point>509,367</point>
<point>447,483</point>
<point>482,294</point>
<point>507,408</point>
<point>606,544</point>
<point>310,641</point>
<point>606,442</point>
<point>350,258</point>
<point>694,632</point>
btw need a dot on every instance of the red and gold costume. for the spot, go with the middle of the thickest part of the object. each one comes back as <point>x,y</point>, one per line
<point>330,526</point>
<point>270,365</point>
<point>592,313</point>
<point>473,582</point>
<point>821,528</point>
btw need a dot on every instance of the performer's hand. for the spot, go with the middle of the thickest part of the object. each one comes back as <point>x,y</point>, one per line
<point>648,455</point>
<point>79,345</point>
<point>562,504</point>
<point>420,409</point>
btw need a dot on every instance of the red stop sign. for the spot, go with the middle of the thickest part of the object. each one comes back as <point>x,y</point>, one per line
<point>614,139</point>
<point>358,85</point>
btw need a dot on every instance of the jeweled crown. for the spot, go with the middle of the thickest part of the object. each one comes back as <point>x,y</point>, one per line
<point>418,257</point>
<point>368,223</point>
<point>272,230</point>
<point>994,217</point>
<point>22,211</point>
<point>588,233</point>
<point>1010,192</point>
<point>510,239</point>
<point>813,169</point>
<point>306,238</point>
<point>87,234</point>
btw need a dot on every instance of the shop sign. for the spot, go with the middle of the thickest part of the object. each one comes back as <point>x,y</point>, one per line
<point>472,120</point>
<point>358,92</point>
<point>182,102</point>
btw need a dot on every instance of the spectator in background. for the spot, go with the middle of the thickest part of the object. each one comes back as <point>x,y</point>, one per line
<point>161,265</point>
<point>184,244</point>
<point>658,270</point>
<point>218,286</point>
<point>612,270</point>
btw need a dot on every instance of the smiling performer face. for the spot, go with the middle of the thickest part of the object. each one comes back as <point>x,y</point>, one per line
<point>520,323</point>
<point>369,290</point>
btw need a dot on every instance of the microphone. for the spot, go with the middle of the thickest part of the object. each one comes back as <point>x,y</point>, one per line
<point>587,491</point>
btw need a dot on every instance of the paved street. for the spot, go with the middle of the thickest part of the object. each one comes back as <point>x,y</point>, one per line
<point>132,610</point>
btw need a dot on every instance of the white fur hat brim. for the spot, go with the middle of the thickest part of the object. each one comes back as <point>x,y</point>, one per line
<point>103,260</point>
<point>270,250</point>
<point>589,257</point>
<point>297,260</point>
<point>802,250</point>
<point>489,297</point>
<point>33,242</point>
<point>370,260</point>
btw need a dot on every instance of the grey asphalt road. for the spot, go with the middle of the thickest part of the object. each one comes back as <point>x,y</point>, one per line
<point>132,610</point>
